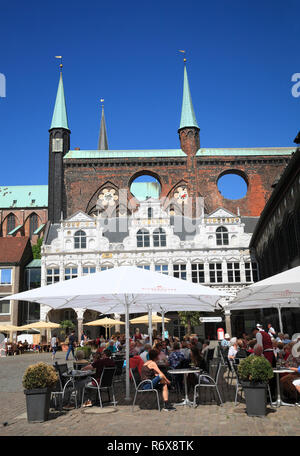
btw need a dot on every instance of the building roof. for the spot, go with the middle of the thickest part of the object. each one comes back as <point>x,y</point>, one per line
<point>21,196</point>
<point>173,153</point>
<point>12,249</point>
<point>60,118</point>
<point>34,264</point>
<point>188,118</point>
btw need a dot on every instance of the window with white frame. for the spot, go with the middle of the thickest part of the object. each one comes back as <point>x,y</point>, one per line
<point>71,273</point>
<point>179,270</point>
<point>144,266</point>
<point>233,272</point>
<point>5,276</point>
<point>4,307</point>
<point>143,238</point>
<point>198,273</point>
<point>88,270</point>
<point>80,240</point>
<point>222,236</point>
<point>159,238</point>
<point>162,268</point>
<point>251,272</point>
<point>52,275</point>
<point>215,272</point>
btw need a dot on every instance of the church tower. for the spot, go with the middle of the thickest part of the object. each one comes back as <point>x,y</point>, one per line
<point>188,129</point>
<point>59,145</point>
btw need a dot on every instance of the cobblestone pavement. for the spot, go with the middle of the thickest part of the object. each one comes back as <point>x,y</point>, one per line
<point>208,419</point>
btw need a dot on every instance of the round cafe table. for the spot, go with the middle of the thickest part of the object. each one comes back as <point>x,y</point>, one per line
<point>74,377</point>
<point>185,372</point>
<point>279,401</point>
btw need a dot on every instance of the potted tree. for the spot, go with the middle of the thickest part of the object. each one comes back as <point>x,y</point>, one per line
<point>38,380</point>
<point>66,326</point>
<point>254,373</point>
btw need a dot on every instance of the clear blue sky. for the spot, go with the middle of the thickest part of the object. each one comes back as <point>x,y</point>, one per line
<point>241,57</point>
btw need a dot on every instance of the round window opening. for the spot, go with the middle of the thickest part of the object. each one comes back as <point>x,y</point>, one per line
<point>232,186</point>
<point>145,187</point>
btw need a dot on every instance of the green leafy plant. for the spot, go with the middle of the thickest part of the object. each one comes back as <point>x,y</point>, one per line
<point>40,375</point>
<point>66,326</point>
<point>255,369</point>
<point>36,249</point>
<point>189,319</point>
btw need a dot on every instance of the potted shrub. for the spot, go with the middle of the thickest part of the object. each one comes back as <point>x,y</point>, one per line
<point>38,380</point>
<point>254,373</point>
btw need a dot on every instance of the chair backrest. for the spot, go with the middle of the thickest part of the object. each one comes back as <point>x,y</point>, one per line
<point>135,375</point>
<point>61,368</point>
<point>107,376</point>
<point>210,354</point>
<point>119,366</point>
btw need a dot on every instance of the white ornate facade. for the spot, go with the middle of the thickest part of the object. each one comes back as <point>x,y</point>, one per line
<point>212,250</point>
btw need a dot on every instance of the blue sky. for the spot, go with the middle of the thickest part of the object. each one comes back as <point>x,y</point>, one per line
<point>241,57</point>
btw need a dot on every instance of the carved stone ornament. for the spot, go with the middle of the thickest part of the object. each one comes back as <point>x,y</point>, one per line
<point>181,194</point>
<point>108,197</point>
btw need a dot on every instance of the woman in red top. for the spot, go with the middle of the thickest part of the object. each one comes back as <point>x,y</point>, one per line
<point>137,335</point>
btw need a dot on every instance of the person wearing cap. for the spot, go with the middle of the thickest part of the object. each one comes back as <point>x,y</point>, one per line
<point>226,341</point>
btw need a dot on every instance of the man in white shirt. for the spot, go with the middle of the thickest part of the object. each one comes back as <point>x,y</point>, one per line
<point>271,331</point>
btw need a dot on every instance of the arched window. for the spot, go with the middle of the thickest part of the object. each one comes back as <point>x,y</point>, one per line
<point>143,238</point>
<point>150,214</point>
<point>33,224</point>
<point>80,240</point>
<point>159,238</point>
<point>11,223</point>
<point>222,236</point>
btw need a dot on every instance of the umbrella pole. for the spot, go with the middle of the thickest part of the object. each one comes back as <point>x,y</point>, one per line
<point>127,397</point>
<point>280,319</point>
<point>163,324</point>
<point>150,323</point>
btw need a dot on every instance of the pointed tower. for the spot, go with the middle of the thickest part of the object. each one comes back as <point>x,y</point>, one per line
<point>59,145</point>
<point>102,142</point>
<point>189,129</point>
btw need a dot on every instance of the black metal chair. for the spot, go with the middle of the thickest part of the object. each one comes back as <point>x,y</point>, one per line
<point>138,383</point>
<point>119,374</point>
<point>208,357</point>
<point>105,383</point>
<point>63,384</point>
<point>206,381</point>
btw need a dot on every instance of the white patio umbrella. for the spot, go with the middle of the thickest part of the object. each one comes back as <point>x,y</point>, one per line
<point>122,290</point>
<point>278,291</point>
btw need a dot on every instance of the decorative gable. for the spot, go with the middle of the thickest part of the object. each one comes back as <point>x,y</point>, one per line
<point>221,212</point>
<point>80,217</point>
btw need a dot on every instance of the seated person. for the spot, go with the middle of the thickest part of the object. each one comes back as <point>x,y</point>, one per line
<point>150,371</point>
<point>176,357</point>
<point>145,354</point>
<point>99,362</point>
<point>241,352</point>
<point>226,341</point>
<point>232,348</point>
<point>185,349</point>
<point>251,346</point>
<point>136,361</point>
<point>111,347</point>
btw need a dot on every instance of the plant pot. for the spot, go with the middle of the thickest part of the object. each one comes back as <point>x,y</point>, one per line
<point>256,398</point>
<point>37,404</point>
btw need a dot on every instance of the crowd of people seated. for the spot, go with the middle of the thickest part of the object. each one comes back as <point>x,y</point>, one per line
<point>277,348</point>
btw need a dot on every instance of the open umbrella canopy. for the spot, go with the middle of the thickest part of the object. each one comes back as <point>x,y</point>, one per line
<point>40,325</point>
<point>279,290</point>
<point>105,291</point>
<point>104,322</point>
<point>9,328</point>
<point>144,319</point>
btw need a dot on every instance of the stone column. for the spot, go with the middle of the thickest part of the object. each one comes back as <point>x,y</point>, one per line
<point>228,322</point>
<point>79,313</point>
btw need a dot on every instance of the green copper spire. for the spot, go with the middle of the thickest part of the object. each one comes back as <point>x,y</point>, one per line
<point>188,118</point>
<point>60,118</point>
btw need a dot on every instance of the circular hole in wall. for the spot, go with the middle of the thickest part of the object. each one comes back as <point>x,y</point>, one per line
<point>232,185</point>
<point>145,186</point>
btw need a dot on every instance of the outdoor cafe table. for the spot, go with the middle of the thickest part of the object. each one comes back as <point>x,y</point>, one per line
<point>185,372</point>
<point>278,371</point>
<point>74,377</point>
